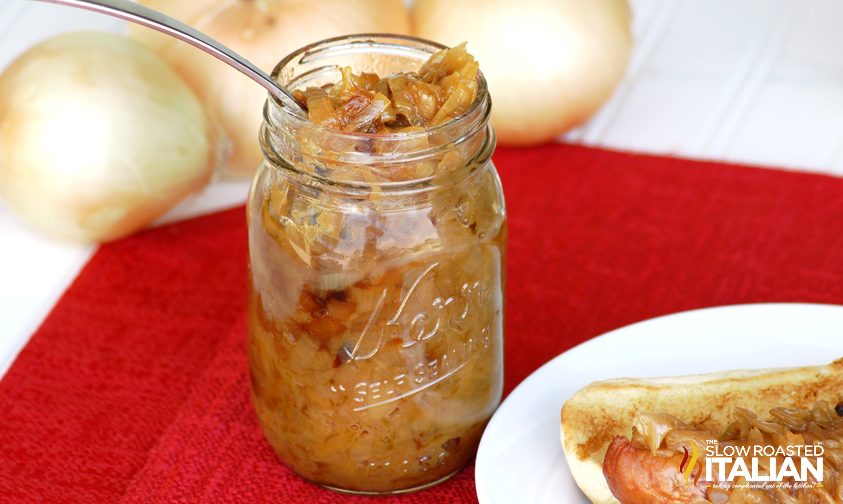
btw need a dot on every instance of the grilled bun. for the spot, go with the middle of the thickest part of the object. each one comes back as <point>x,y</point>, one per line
<point>605,409</point>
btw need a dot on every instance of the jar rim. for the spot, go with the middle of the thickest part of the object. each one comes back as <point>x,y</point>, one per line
<point>315,61</point>
<point>372,40</point>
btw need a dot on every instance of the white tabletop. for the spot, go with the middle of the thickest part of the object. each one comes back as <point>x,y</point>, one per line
<point>752,81</point>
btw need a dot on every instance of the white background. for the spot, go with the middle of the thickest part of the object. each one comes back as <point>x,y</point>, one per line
<point>756,81</point>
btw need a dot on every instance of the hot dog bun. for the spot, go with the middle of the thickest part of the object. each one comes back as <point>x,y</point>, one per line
<point>605,409</point>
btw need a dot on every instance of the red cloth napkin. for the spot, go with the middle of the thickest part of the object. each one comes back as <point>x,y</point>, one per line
<point>135,388</point>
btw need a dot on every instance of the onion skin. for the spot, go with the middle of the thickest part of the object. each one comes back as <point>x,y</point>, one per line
<point>549,64</point>
<point>98,137</point>
<point>264,32</point>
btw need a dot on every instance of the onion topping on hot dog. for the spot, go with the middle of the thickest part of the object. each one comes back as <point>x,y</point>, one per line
<point>794,456</point>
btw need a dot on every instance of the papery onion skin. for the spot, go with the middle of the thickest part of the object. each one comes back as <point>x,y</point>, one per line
<point>98,137</point>
<point>264,32</point>
<point>549,64</point>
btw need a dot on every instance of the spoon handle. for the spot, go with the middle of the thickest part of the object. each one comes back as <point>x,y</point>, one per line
<point>145,16</point>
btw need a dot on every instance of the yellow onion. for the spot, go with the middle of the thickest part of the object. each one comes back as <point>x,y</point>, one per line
<point>98,137</point>
<point>264,32</point>
<point>550,64</point>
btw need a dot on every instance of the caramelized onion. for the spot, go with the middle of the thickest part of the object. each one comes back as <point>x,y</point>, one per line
<point>820,425</point>
<point>654,427</point>
<point>444,88</point>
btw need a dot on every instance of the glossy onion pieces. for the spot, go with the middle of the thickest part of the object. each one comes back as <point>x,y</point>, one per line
<point>443,89</point>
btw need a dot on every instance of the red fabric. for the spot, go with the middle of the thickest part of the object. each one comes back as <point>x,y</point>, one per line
<point>135,388</point>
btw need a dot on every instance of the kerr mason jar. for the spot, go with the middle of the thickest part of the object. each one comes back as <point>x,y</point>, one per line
<point>377,271</point>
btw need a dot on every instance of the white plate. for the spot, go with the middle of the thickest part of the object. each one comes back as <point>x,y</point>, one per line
<point>520,456</point>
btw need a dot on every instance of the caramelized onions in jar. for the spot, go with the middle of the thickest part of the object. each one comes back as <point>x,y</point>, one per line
<point>377,251</point>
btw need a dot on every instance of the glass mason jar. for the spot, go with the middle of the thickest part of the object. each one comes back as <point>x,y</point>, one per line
<point>376,277</point>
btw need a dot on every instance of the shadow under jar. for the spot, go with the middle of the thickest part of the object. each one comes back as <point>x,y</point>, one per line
<point>377,272</point>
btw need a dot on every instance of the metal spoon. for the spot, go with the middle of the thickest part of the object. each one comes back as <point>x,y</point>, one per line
<point>145,16</point>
